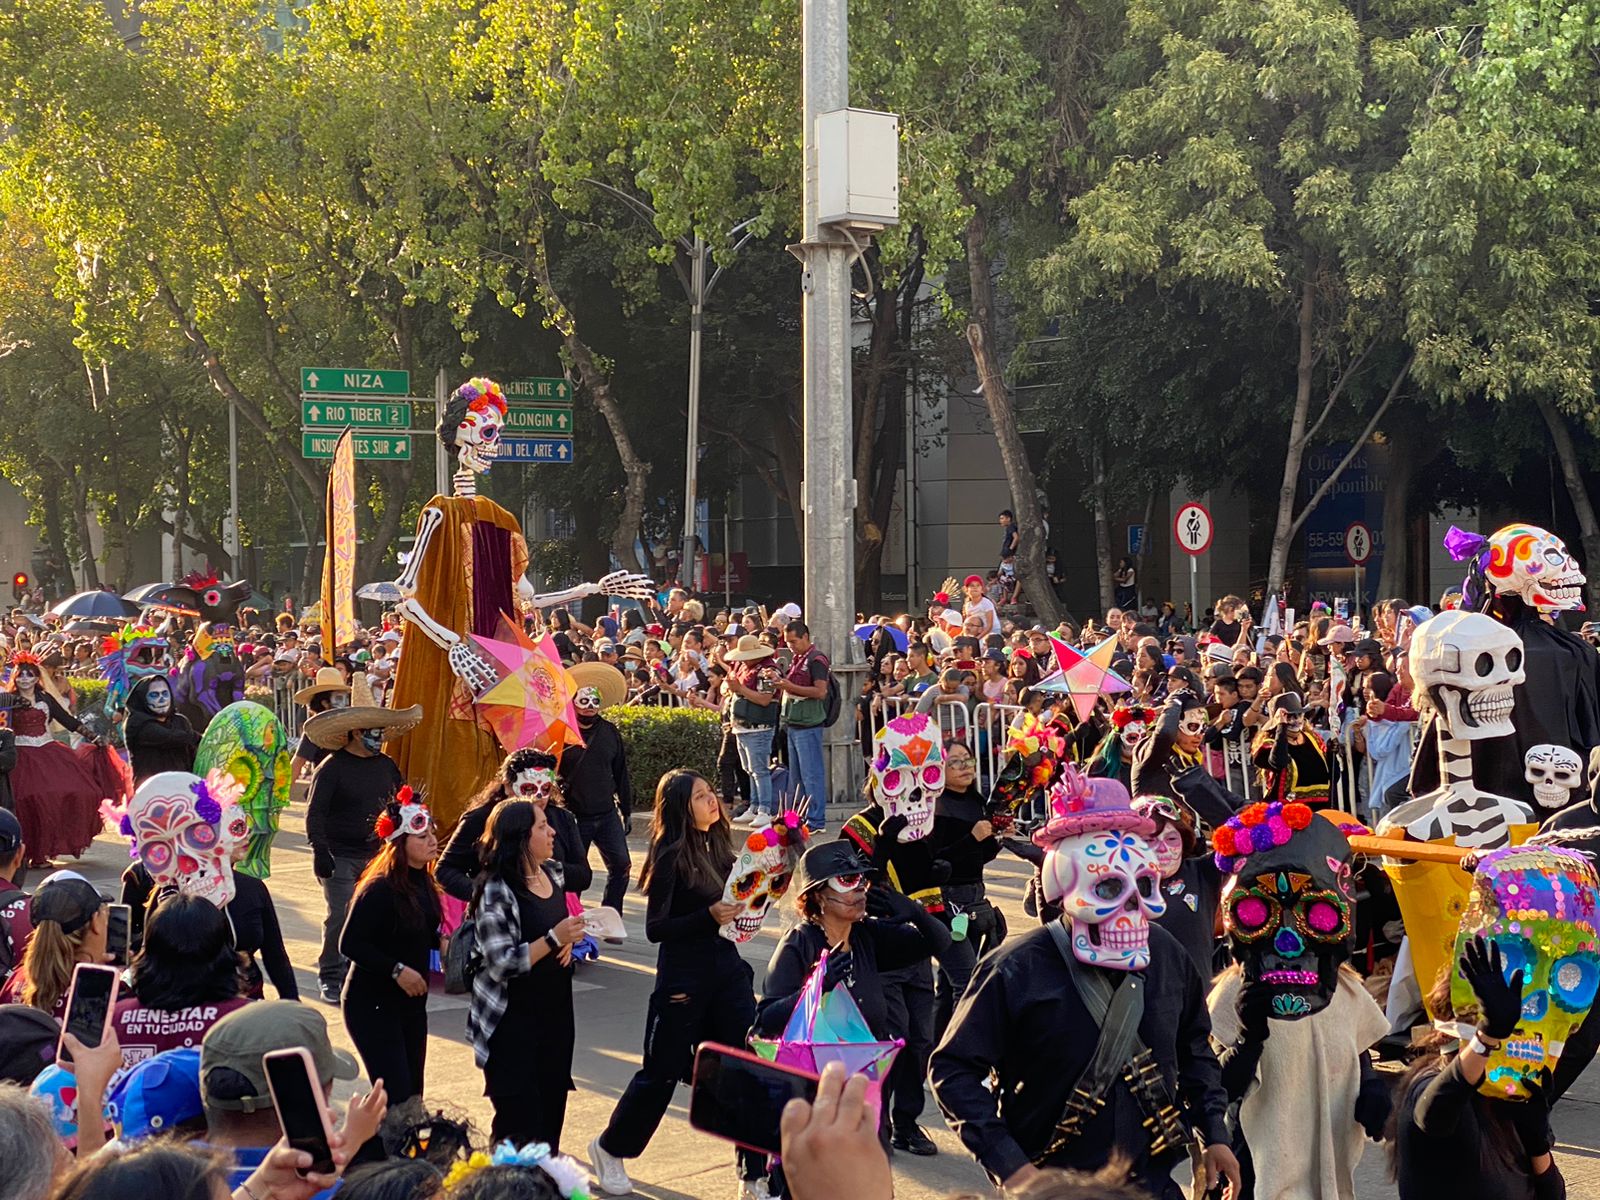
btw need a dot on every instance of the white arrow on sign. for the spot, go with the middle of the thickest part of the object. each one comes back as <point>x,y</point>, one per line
<point>561,421</point>
<point>562,450</point>
<point>312,379</point>
<point>316,413</point>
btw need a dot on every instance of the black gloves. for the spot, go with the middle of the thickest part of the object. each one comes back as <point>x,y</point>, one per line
<point>1532,1123</point>
<point>1550,1185</point>
<point>1499,998</point>
<point>1254,1006</point>
<point>887,904</point>
<point>321,863</point>
<point>838,969</point>
<point>1239,1060</point>
<point>888,834</point>
<point>1374,1103</point>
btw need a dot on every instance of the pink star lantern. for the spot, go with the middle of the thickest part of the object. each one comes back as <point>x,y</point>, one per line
<point>1084,677</point>
<point>531,703</point>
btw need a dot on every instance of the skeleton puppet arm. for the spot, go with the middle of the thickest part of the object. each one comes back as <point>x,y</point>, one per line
<point>618,583</point>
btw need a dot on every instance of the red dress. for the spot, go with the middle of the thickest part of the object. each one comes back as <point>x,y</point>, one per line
<point>58,799</point>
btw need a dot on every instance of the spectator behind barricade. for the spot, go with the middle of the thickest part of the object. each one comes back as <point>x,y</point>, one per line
<point>33,1155</point>
<point>1388,742</point>
<point>240,1118</point>
<point>183,980</point>
<point>920,675</point>
<point>69,927</point>
<point>1232,625</point>
<point>804,690</point>
<point>950,690</point>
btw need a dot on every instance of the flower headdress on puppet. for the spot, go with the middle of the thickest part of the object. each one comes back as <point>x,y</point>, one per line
<point>761,872</point>
<point>184,830</point>
<point>1535,906</point>
<point>1100,867</point>
<point>906,774</point>
<point>1288,902</point>
<point>127,656</point>
<point>1517,560</point>
<point>406,814</point>
<point>570,1177</point>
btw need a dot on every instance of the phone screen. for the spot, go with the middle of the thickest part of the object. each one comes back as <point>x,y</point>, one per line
<point>88,1005</point>
<point>741,1099</point>
<point>118,932</point>
<point>299,1109</point>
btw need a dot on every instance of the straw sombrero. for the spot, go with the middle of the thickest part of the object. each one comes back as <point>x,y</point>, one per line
<point>329,679</point>
<point>750,649</point>
<point>331,729</point>
<point>604,678</point>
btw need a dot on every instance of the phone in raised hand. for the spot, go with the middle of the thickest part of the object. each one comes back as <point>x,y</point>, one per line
<point>119,932</point>
<point>90,1002</point>
<point>302,1108</point>
<point>740,1097</point>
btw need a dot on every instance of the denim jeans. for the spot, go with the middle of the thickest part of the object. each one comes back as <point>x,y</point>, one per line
<point>810,769</point>
<point>755,755</point>
<point>606,832</point>
<point>337,890</point>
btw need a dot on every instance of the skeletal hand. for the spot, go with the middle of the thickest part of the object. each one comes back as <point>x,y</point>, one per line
<point>627,584</point>
<point>472,668</point>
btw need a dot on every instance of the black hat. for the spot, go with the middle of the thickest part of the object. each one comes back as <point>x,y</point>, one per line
<point>1289,702</point>
<point>828,861</point>
<point>10,832</point>
<point>28,1038</point>
<point>1368,646</point>
<point>66,898</point>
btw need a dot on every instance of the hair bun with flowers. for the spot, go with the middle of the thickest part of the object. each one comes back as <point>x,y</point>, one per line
<point>481,394</point>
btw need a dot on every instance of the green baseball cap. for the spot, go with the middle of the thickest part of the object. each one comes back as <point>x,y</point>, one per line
<point>238,1041</point>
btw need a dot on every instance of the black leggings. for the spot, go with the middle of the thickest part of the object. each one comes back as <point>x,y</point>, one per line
<point>390,1033</point>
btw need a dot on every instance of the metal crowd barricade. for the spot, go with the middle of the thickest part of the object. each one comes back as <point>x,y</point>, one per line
<point>884,709</point>
<point>992,721</point>
<point>283,706</point>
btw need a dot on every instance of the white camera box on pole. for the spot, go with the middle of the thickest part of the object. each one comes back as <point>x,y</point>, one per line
<point>858,168</point>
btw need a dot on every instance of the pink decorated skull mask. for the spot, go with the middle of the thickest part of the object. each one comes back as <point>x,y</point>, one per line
<point>1533,563</point>
<point>907,771</point>
<point>1108,884</point>
<point>184,829</point>
<point>760,876</point>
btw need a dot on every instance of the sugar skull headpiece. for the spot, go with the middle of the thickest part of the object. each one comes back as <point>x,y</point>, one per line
<point>1555,773</point>
<point>1102,870</point>
<point>1518,560</point>
<point>761,873</point>
<point>907,771</point>
<point>1288,902</point>
<point>405,815</point>
<point>184,830</point>
<point>1131,721</point>
<point>1537,904</point>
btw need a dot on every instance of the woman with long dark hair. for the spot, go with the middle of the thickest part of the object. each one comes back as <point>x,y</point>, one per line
<point>390,932</point>
<point>704,991</point>
<point>525,939</point>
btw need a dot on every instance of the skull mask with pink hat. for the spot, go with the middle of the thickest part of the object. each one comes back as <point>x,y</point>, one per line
<point>1100,867</point>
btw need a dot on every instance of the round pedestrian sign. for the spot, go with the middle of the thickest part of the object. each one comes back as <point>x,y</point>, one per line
<point>1192,528</point>
<point>1358,544</point>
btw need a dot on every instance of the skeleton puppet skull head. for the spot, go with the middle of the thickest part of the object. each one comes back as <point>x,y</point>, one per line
<point>907,771</point>
<point>1467,665</point>
<point>1533,563</point>
<point>1537,904</point>
<point>473,421</point>
<point>761,875</point>
<point>184,829</point>
<point>1555,773</point>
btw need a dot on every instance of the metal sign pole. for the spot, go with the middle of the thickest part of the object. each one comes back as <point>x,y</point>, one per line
<point>1194,589</point>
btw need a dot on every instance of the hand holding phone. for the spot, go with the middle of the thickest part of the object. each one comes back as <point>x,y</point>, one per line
<point>90,1001</point>
<point>302,1109</point>
<point>119,933</point>
<point>740,1098</point>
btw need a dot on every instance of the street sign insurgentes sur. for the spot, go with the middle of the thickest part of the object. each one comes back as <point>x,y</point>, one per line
<point>526,419</point>
<point>541,390</point>
<point>380,444</point>
<point>536,450</point>
<point>354,381</point>
<point>316,410</point>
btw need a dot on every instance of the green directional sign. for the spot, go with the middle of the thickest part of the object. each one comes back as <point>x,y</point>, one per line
<point>373,444</point>
<point>524,419</point>
<point>360,413</point>
<point>538,391</point>
<point>354,381</point>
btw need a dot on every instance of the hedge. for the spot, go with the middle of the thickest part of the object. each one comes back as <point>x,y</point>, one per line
<point>91,693</point>
<point>659,739</point>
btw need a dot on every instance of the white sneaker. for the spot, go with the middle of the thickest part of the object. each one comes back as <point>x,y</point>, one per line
<point>609,1175</point>
<point>754,1189</point>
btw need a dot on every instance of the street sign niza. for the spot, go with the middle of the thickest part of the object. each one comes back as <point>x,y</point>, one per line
<point>354,381</point>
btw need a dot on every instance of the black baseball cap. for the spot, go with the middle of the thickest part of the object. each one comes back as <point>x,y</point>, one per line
<point>10,832</point>
<point>66,898</point>
<point>28,1038</point>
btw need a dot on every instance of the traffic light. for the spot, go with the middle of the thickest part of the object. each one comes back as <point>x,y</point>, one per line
<point>19,586</point>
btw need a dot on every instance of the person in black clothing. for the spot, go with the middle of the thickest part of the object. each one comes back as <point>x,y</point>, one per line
<point>348,792</point>
<point>963,838</point>
<point>594,779</point>
<point>526,774</point>
<point>1167,762</point>
<point>704,991</point>
<point>1295,764</point>
<point>327,690</point>
<point>1190,880</point>
<point>159,738</point>
<point>392,929</point>
<point>256,931</point>
<point>8,759</point>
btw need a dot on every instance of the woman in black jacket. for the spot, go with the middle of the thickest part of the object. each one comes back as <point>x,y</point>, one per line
<point>525,775</point>
<point>704,991</point>
<point>963,837</point>
<point>159,737</point>
<point>390,932</point>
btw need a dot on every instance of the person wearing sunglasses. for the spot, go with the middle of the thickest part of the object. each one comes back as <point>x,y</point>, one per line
<point>1168,761</point>
<point>1294,762</point>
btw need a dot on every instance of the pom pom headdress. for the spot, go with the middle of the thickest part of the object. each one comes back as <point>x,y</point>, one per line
<point>405,814</point>
<point>569,1176</point>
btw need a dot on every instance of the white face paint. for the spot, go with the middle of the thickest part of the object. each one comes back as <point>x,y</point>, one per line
<point>587,701</point>
<point>158,698</point>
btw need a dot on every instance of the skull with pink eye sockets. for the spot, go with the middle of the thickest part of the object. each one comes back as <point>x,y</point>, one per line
<point>185,829</point>
<point>760,875</point>
<point>907,771</point>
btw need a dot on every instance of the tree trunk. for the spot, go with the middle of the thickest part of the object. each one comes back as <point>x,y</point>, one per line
<point>180,506</point>
<point>1102,525</point>
<point>80,521</point>
<point>1572,476</point>
<point>1013,454</point>
<point>394,481</point>
<point>1305,365</point>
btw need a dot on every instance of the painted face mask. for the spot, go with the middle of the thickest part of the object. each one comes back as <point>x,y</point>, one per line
<point>1533,563</point>
<point>1555,773</point>
<point>372,740</point>
<point>535,783</point>
<point>1537,904</point>
<point>587,702</point>
<point>158,698</point>
<point>184,829</point>
<point>907,771</point>
<point>761,874</point>
<point>1288,903</point>
<point>404,816</point>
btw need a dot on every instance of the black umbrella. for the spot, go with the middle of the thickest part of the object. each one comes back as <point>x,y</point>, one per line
<point>92,625</point>
<point>96,604</point>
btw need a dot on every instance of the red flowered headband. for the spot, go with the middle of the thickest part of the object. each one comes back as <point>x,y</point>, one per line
<point>405,814</point>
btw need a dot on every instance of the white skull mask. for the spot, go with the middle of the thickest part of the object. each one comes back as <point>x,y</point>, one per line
<point>1467,664</point>
<point>760,875</point>
<point>184,830</point>
<point>1108,884</point>
<point>1555,773</point>
<point>1533,563</point>
<point>477,434</point>
<point>907,771</point>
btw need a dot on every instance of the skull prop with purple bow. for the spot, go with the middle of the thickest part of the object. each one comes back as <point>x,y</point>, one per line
<point>907,771</point>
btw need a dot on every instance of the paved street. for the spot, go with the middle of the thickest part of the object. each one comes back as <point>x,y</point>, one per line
<point>611,997</point>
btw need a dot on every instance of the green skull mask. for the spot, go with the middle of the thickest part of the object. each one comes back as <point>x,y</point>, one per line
<point>1537,903</point>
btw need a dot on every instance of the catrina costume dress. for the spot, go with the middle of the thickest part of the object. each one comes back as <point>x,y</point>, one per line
<point>58,796</point>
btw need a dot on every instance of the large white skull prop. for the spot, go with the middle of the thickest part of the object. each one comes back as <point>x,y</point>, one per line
<point>477,434</point>
<point>760,875</point>
<point>184,830</point>
<point>1467,665</point>
<point>907,771</point>
<point>1108,884</point>
<point>1533,563</point>
<point>1555,773</point>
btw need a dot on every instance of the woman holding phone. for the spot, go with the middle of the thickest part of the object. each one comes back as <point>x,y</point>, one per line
<point>525,939</point>
<point>704,991</point>
<point>69,927</point>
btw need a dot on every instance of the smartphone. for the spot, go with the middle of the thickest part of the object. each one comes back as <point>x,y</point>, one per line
<point>119,932</point>
<point>739,1097</point>
<point>302,1111</point>
<point>90,1002</point>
